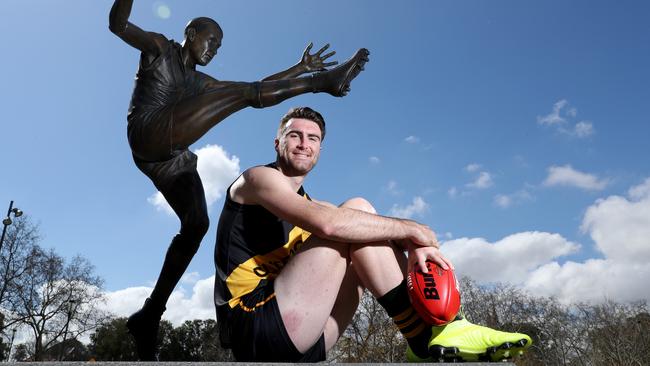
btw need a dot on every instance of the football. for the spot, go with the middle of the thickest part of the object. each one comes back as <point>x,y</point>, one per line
<point>434,295</point>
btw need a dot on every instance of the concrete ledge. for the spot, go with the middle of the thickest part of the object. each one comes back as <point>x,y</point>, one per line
<point>225,363</point>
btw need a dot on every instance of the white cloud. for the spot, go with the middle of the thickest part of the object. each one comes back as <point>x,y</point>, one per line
<point>484,180</point>
<point>190,278</point>
<point>572,112</point>
<point>374,160</point>
<point>391,187</point>
<point>508,200</point>
<point>417,207</point>
<point>126,301</point>
<point>554,117</point>
<point>561,118</point>
<point>473,167</point>
<point>412,139</point>
<point>620,229</point>
<point>583,129</point>
<point>180,307</point>
<point>217,170</point>
<point>641,191</point>
<point>594,280</point>
<point>160,203</point>
<point>620,226</point>
<point>567,176</point>
<point>503,200</point>
<point>509,259</point>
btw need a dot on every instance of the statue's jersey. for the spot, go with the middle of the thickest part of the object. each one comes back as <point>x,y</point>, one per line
<point>253,245</point>
<point>159,86</point>
<point>162,83</point>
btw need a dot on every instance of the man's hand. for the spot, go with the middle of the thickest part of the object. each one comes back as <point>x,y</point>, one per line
<point>419,256</point>
<point>422,244</point>
<point>315,62</point>
<point>418,235</point>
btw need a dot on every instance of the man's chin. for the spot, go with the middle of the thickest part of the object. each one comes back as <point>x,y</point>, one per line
<point>300,169</point>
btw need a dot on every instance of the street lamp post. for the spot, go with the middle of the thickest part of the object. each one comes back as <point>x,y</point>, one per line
<point>7,221</point>
<point>71,304</point>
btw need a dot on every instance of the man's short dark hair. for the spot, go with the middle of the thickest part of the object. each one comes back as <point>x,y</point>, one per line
<point>304,113</point>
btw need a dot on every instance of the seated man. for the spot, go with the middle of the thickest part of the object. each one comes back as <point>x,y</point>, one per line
<point>291,270</point>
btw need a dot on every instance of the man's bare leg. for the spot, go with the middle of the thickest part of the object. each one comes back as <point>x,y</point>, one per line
<point>307,288</point>
<point>310,283</point>
<point>345,306</point>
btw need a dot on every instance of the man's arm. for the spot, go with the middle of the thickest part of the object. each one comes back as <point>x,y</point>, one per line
<point>118,22</point>
<point>308,63</point>
<point>270,189</point>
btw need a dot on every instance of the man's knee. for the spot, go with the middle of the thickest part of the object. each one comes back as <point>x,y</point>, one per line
<point>359,203</point>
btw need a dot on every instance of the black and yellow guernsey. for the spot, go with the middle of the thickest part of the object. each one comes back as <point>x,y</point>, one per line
<point>252,246</point>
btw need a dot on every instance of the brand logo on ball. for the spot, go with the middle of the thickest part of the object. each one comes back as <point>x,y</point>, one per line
<point>430,291</point>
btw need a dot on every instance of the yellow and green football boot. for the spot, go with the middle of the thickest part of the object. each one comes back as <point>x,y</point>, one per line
<point>462,340</point>
<point>412,357</point>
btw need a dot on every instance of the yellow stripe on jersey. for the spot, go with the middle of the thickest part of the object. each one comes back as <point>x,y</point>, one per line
<point>249,310</point>
<point>245,278</point>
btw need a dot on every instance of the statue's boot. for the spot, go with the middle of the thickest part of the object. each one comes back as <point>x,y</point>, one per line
<point>337,81</point>
<point>143,326</point>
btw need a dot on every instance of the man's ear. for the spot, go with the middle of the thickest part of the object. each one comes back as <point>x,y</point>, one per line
<point>276,143</point>
<point>190,33</point>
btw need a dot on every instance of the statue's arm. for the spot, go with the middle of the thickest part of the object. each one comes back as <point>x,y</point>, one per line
<point>307,63</point>
<point>118,23</point>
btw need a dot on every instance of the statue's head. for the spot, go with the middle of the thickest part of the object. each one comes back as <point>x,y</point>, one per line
<point>203,37</point>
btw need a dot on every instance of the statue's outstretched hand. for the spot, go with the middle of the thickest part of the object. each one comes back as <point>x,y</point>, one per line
<point>316,62</point>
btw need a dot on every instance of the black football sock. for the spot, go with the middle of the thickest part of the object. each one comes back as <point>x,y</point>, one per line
<point>398,306</point>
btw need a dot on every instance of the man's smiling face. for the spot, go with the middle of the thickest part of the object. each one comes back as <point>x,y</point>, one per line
<point>298,146</point>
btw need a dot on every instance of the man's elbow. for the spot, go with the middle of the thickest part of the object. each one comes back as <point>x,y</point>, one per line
<point>325,230</point>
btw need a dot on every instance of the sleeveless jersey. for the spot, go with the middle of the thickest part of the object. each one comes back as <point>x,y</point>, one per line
<point>252,245</point>
<point>162,83</point>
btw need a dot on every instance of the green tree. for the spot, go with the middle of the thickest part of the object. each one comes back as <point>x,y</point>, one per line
<point>112,342</point>
<point>21,353</point>
<point>194,340</point>
<point>68,350</point>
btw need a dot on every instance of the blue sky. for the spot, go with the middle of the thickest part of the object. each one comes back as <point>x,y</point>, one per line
<point>517,130</point>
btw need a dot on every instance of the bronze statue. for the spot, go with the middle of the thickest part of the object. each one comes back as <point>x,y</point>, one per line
<point>172,106</point>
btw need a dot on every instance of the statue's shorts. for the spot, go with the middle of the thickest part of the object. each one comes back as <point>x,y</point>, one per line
<point>150,138</point>
<point>257,332</point>
<point>150,133</point>
<point>164,173</point>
